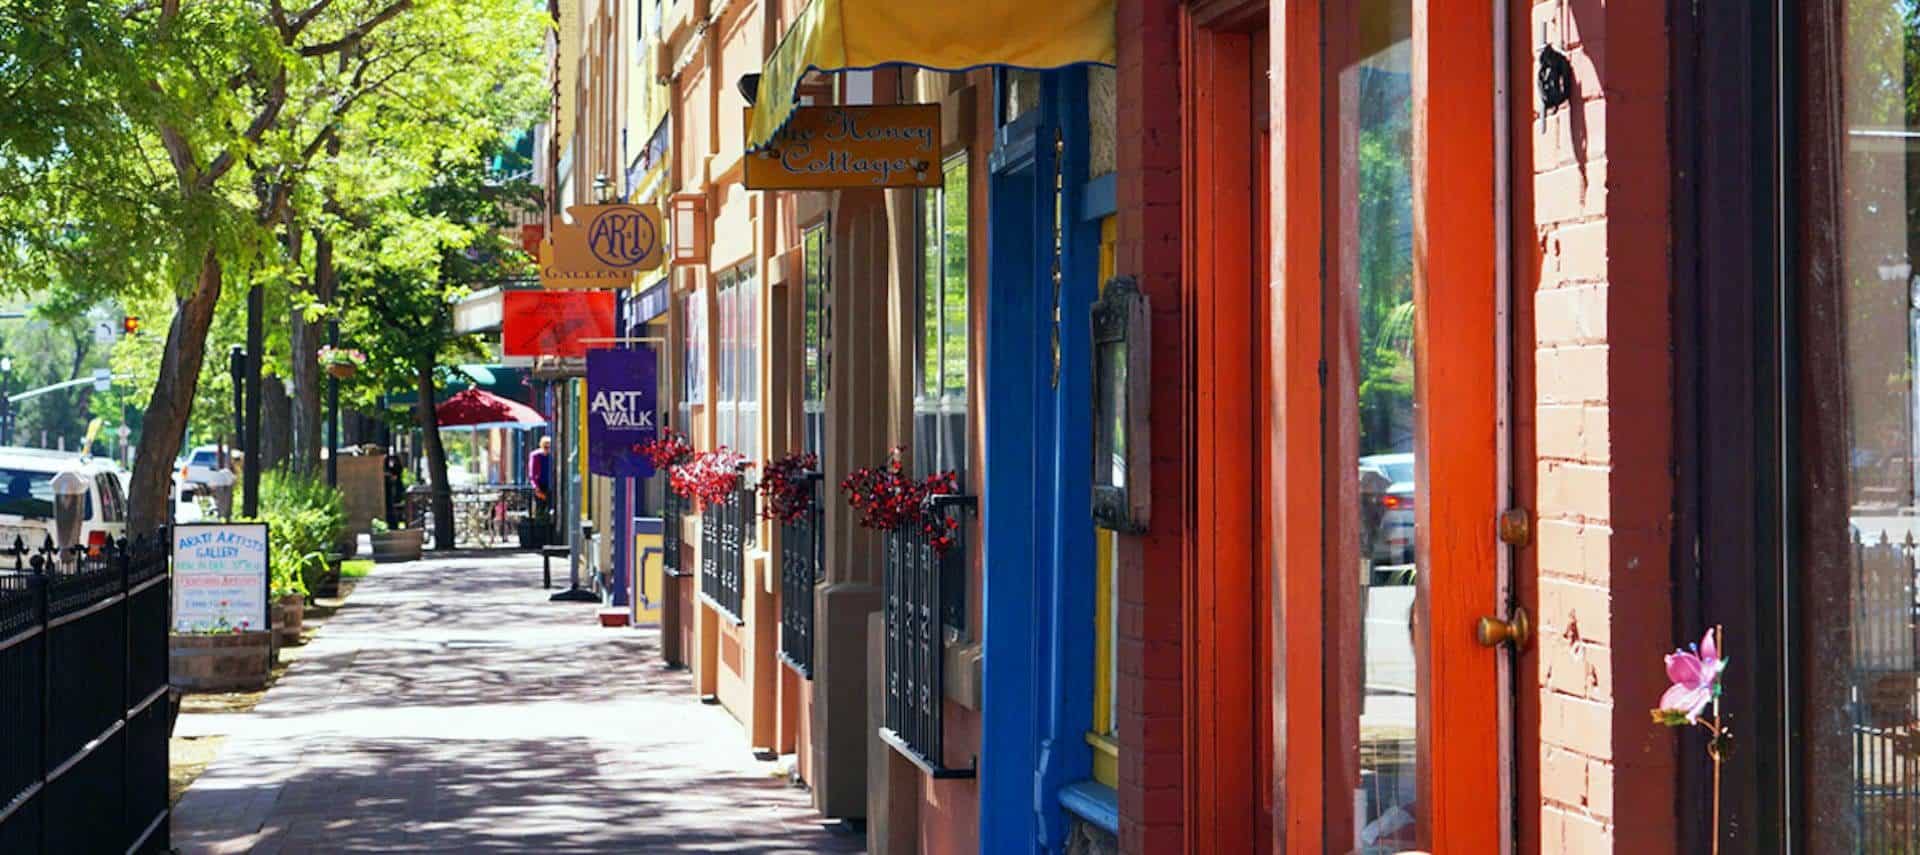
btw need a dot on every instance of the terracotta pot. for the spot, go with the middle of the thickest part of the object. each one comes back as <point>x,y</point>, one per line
<point>291,609</point>
<point>342,370</point>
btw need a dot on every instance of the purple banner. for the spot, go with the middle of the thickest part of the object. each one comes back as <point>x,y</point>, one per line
<point>621,394</point>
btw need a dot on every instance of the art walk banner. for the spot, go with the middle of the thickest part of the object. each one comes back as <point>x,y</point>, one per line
<point>621,397</point>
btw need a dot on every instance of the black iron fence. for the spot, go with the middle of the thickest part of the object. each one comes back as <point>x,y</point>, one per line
<point>926,591</point>
<point>670,540</point>
<point>1885,631</point>
<point>83,699</point>
<point>802,554</point>
<point>726,530</point>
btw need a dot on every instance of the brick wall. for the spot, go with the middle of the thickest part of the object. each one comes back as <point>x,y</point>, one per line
<point>1147,247</point>
<point>1600,197</point>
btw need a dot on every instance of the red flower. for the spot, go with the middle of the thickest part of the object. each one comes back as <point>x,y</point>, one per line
<point>709,477</point>
<point>888,499</point>
<point>669,450</point>
<point>783,482</point>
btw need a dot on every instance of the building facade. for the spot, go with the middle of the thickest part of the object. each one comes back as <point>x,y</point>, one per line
<point>1348,406</point>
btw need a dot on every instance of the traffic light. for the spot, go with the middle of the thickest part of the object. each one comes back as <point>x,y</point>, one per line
<point>130,325</point>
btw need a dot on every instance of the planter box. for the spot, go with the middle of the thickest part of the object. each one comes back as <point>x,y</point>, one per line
<point>327,584</point>
<point>401,544</point>
<point>234,662</point>
<point>534,534</point>
<point>613,617</point>
<point>287,614</point>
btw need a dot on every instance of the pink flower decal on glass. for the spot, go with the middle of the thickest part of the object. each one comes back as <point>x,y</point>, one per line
<point>1696,682</point>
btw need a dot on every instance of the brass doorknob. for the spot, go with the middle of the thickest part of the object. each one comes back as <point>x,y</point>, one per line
<point>1516,630</point>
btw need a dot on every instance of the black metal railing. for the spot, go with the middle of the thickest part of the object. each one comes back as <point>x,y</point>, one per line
<point>83,698</point>
<point>1885,634</point>
<point>671,518</point>
<point>926,591</point>
<point>802,556</point>
<point>726,530</point>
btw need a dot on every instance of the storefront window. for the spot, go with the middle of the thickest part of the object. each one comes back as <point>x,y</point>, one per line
<point>737,410</point>
<point>940,395</point>
<point>1856,556</point>
<point>1375,707</point>
<point>816,332</point>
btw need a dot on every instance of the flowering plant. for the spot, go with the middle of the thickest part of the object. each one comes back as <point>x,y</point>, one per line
<point>330,355</point>
<point>670,449</point>
<point>710,476</point>
<point>783,481</point>
<point>1695,673</point>
<point>888,499</point>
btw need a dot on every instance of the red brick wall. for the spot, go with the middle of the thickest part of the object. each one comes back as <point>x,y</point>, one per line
<point>1147,247</point>
<point>1599,170</point>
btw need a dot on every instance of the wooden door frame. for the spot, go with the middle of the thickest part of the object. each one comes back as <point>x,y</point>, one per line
<point>1464,253</point>
<point>1225,741</point>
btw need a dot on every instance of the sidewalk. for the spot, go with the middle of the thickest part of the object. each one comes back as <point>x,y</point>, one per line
<point>449,707</point>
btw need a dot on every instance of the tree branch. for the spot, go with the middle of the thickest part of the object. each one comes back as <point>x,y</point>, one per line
<point>269,113</point>
<point>359,32</point>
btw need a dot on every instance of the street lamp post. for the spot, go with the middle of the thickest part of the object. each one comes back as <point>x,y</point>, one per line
<point>6,401</point>
<point>237,367</point>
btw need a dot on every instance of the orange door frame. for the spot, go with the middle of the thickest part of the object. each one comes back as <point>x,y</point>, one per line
<point>1225,740</point>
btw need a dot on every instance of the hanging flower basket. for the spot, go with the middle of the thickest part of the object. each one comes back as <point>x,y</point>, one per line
<point>888,499</point>
<point>710,477</point>
<point>785,484</point>
<point>669,450</point>
<point>341,362</point>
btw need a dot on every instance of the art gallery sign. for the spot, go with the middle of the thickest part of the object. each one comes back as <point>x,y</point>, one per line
<point>839,147</point>
<point>603,247</point>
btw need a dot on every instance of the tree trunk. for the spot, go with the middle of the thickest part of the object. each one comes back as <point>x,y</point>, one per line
<point>436,458</point>
<point>309,422</point>
<point>165,422</point>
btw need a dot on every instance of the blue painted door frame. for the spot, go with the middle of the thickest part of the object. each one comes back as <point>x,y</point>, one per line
<point>1038,554</point>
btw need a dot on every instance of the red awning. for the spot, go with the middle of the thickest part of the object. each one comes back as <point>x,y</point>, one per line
<point>474,408</point>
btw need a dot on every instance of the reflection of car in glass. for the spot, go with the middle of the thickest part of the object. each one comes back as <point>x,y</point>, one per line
<point>1390,506</point>
<point>26,496</point>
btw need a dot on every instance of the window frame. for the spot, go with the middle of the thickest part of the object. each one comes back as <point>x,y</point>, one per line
<point>816,334</point>
<point>945,408</point>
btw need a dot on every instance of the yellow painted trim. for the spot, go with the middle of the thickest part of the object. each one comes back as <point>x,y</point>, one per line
<point>1106,759</point>
<point>586,483</point>
<point>1103,632</point>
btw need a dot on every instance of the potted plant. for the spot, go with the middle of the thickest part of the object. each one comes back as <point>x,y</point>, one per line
<point>396,544</point>
<point>289,603</point>
<point>228,656</point>
<point>341,362</point>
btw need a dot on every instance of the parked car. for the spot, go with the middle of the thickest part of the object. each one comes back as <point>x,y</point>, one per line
<point>1393,533</point>
<point>26,496</point>
<point>199,465</point>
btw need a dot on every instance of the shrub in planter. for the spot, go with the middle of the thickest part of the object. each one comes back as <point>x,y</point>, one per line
<point>397,544</point>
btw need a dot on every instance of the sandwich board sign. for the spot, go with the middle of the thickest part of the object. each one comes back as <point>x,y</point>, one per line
<point>220,578</point>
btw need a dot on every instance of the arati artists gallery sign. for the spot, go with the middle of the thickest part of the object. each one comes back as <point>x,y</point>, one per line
<point>826,148</point>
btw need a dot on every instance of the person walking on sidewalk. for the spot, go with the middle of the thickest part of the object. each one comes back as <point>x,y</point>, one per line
<point>540,472</point>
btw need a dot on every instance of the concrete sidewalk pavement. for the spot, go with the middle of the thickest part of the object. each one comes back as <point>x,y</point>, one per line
<point>449,707</point>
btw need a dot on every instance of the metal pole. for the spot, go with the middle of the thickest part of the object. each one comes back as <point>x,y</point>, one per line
<point>237,368</point>
<point>333,412</point>
<point>256,350</point>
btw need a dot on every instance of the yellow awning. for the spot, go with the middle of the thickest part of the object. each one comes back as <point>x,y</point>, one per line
<point>846,35</point>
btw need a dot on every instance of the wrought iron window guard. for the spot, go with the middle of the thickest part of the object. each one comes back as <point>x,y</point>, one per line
<point>926,592</point>
<point>726,530</point>
<point>802,563</point>
<point>671,521</point>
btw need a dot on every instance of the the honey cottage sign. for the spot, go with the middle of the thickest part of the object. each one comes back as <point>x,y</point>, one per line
<point>828,148</point>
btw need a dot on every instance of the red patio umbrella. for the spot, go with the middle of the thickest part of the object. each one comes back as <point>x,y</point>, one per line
<point>474,408</point>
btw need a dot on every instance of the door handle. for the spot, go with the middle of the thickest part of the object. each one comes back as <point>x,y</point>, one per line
<point>1516,630</point>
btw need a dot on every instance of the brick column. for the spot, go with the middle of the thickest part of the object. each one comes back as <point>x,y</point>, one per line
<point>1600,168</point>
<point>1148,711</point>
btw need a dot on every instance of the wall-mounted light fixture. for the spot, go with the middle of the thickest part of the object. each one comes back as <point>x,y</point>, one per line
<point>1122,492</point>
<point>689,236</point>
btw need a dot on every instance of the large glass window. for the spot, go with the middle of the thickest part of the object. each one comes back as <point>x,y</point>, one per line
<point>1854,561</point>
<point>816,332</point>
<point>940,384</point>
<point>737,408</point>
<point>1375,707</point>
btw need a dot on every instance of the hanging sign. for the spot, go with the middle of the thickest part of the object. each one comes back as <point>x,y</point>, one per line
<point>554,323</point>
<point>220,578</point>
<point>603,247</point>
<point>621,398</point>
<point>828,148</point>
